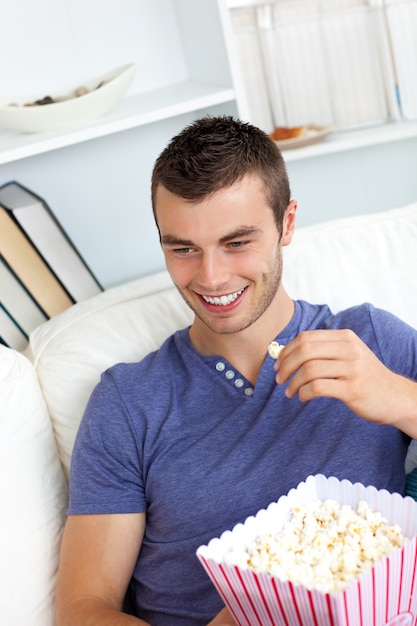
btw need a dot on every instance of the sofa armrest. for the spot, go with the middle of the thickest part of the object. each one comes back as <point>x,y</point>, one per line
<point>33,497</point>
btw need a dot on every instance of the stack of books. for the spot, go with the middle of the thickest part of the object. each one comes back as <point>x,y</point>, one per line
<point>343,63</point>
<point>41,271</point>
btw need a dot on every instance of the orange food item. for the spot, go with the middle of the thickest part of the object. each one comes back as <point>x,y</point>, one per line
<point>285,132</point>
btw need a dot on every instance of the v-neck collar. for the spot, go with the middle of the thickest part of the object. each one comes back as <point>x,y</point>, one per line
<point>231,376</point>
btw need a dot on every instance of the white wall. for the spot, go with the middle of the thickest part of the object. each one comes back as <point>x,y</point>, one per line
<point>358,181</point>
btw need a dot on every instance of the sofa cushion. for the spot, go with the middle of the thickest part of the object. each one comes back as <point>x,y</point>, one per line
<point>366,258</point>
<point>33,497</point>
<point>72,349</point>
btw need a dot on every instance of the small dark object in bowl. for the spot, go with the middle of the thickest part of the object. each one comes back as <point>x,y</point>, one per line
<point>45,100</point>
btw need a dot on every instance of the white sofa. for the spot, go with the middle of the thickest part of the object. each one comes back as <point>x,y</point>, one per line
<point>44,391</point>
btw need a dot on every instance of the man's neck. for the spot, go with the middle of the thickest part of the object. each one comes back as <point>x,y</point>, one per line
<point>245,350</point>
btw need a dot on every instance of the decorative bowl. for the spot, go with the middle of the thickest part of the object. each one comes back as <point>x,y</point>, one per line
<point>63,110</point>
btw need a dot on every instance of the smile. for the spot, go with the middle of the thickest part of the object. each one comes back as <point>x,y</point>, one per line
<point>223,300</point>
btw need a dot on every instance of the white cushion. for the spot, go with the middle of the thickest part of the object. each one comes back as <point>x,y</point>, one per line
<point>72,349</point>
<point>33,494</point>
<point>366,258</point>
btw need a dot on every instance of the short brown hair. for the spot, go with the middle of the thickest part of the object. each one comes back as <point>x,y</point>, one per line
<point>212,153</point>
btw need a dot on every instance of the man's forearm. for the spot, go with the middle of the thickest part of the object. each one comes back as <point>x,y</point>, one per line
<point>94,613</point>
<point>223,619</point>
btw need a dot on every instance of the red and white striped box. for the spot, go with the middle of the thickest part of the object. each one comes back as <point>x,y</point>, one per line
<point>385,595</point>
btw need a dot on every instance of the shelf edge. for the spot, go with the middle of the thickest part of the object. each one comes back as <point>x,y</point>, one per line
<point>343,141</point>
<point>41,143</point>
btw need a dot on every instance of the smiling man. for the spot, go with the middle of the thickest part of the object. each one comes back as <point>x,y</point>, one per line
<point>202,433</point>
<point>224,255</point>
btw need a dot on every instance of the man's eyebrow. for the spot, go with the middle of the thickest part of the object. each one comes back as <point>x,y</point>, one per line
<point>242,231</point>
<point>176,241</point>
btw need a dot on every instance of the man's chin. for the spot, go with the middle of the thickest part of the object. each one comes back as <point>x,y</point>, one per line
<point>222,326</point>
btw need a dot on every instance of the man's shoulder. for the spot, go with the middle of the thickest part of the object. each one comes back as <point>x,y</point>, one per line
<point>364,319</point>
<point>323,316</point>
<point>366,313</point>
<point>159,360</point>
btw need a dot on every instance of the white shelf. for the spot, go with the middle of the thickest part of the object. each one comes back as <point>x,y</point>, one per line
<point>133,111</point>
<point>239,4</point>
<point>343,141</point>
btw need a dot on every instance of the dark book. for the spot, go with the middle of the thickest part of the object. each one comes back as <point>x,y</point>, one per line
<point>11,335</point>
<point>18,301</point>
<point>40,226</point>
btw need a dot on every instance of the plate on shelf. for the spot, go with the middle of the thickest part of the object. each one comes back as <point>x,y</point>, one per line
<point>45,113</point>
<point>311,134</point>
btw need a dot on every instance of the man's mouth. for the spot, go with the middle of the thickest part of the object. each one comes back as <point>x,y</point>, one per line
<point>223,300</point>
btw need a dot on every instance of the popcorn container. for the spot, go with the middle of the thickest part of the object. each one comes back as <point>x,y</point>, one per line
<point>385,595</point>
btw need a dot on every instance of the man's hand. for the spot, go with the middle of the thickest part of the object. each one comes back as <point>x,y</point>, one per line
<point>338,364</point>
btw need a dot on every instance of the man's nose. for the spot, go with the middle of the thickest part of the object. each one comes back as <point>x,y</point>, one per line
<point>213,271</point>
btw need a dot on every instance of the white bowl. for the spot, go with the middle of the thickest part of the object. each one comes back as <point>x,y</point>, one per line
<point>74,111</point>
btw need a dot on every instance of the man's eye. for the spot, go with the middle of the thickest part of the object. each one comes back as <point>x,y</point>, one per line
<point>236,244</point>
<point>183,250</point>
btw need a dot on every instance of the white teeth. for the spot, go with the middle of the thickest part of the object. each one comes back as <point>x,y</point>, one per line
<point>223,300</point>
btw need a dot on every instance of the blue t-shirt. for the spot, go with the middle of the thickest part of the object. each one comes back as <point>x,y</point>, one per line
<point>188,439</point>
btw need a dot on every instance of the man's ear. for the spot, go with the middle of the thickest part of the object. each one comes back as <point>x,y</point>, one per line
<point>288,223</point>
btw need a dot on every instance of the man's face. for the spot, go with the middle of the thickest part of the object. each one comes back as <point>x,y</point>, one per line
<point>223,253</point>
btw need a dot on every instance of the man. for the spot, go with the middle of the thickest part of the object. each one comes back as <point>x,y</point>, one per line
<point>176,449</point>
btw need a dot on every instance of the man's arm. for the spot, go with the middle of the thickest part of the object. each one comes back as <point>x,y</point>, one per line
<point>224,618</point>
<point>98,555</point>
<point>338,364</point>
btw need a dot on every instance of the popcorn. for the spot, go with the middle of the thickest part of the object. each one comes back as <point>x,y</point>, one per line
<point>383,593</point>
<point>274,349</point>
<point>324,546</point>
